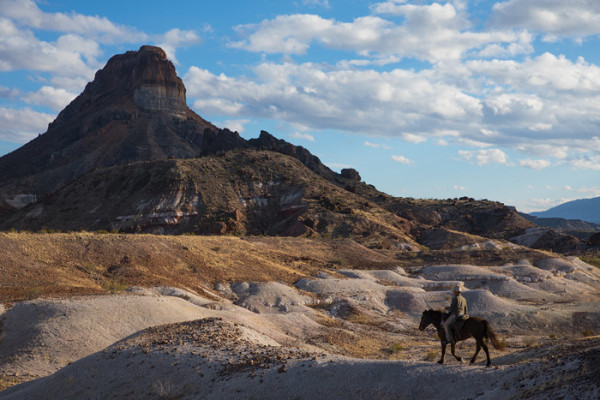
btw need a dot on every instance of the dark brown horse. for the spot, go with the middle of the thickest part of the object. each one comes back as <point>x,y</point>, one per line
<point>473,327</point>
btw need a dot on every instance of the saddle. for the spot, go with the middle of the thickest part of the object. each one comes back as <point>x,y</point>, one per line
<point>458,324</point>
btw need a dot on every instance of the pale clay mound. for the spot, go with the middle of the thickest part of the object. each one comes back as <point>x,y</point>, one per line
<point>43,336</point>
<point>214,360</point>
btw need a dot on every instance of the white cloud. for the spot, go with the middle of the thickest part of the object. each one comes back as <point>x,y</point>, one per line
<point>589,162</point>
<point>349,100</point>
<point>338,166</point>
<point>593,191</point>
<point>377,145</point>
<point>488,156</point>
<point>413,138</point>
<point>458,187</point>
<point>575,18</point>
<point>176,38</point>
<point>20,49</point>
<point>27,13</point>
<point>534,164</point>
<point>6,93</point>
<point>236,125</point>
<point>49,96</point>
<point>22,125</point>
<point>402,160</point>
<point>302,136</point>
<point>429,32</point>
<point>546,150</point>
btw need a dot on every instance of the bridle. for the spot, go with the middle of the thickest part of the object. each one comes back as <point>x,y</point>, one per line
<point>431,331</point>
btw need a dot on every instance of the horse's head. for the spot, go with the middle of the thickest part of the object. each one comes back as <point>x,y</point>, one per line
<point>425,320</point>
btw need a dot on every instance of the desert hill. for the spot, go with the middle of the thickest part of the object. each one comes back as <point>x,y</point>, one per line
<point>239,192</point>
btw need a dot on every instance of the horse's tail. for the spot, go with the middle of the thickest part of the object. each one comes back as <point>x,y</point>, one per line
<point>488,332</point>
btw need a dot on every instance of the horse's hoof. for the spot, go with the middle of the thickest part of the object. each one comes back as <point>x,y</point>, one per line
<point>488,364</point>
<point>472,362</point>
<point>440,362</point>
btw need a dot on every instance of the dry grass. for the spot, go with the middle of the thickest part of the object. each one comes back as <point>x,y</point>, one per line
<point>8,381</point>
<point>60,264</point>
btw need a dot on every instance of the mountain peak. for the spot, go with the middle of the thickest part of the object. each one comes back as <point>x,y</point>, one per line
<point>144,79</point>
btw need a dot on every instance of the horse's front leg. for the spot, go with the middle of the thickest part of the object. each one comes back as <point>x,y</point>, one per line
<point>478,343</point>
<point>443,352</point>
<point>452,349</point>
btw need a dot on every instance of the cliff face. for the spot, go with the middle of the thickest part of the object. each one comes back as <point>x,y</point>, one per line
<point>145,79</point>
<point>134,110</point>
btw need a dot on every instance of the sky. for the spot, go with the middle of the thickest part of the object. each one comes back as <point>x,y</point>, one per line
<point>495,100</point>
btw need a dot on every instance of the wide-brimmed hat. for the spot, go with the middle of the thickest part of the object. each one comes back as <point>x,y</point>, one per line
<point>458,289</point>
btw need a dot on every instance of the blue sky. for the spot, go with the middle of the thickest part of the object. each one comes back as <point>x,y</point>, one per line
<point>486,99</point>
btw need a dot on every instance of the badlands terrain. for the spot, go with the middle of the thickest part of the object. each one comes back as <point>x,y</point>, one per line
<point>96,316</point>
<point>147,254</point>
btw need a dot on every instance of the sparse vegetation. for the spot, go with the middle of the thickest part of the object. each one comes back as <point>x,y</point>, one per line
<point>34,292</point>
<point>431,355</point>
<point>395,348</point>
<point>114,286</point>
<point>591,259</point>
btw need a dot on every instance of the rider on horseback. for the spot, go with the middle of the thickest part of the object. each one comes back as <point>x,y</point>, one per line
<point>458,308</point>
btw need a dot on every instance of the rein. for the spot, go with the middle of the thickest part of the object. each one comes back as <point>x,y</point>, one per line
<point>431,331</point>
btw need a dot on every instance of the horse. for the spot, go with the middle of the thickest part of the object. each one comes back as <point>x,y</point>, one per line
<point>473,327</point>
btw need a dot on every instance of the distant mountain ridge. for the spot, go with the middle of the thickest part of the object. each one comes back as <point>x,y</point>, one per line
<point>583,209</point>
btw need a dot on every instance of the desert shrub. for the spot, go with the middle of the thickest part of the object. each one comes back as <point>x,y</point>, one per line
<point>31,293</point>
<point>113,286</point>
<point>587,332</point>
<point>431,355</point>
<point>592,260</point>
<point>395,348</point>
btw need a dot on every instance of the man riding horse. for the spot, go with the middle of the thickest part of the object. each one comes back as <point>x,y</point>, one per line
<point>474,327</point>
<point>458,309</point>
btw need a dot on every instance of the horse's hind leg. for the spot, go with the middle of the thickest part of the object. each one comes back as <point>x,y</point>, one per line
<point>487,353</point>
<point>479,343</point>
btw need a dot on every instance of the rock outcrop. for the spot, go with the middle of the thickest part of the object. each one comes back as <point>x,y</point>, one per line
<point>134,110</point>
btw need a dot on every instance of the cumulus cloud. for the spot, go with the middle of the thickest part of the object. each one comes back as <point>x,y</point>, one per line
<point>6,93</point>
<point>377,145</point>
<point>458,187</point>
<point>28,14</point>
<point>402,160</point>
<point>22,125</point>
<point>591,162</point>
<point>534,164</point>
<point>302,136</point>
<point>351,100</point>
<point>55,98</point>
<point>488,156</point>
<point>575,18</point>
<point>590,190</point>
<point>176,38</point>
<point>236,125</point>
<point>434,33</point>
